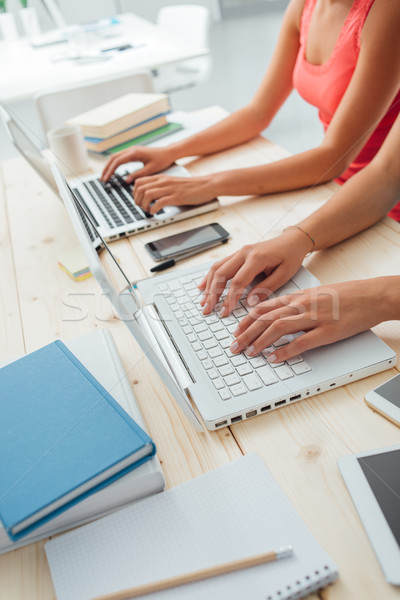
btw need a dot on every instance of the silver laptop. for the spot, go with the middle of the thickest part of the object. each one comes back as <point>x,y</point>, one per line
<point>111,206</point>
<point>191,351</point>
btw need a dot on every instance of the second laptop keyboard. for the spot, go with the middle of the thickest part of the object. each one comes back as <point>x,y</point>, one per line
<point>114,200</point>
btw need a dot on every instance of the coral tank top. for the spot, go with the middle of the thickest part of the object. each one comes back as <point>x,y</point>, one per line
<point>324,85</point>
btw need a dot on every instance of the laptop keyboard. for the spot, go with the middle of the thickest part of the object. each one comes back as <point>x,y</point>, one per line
<point>114,201</point>
<point>211,337</point>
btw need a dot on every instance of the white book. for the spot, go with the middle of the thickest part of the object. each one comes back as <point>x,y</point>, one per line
<point>97,352</point>
<point>230,513</point>
<point>120,114</point>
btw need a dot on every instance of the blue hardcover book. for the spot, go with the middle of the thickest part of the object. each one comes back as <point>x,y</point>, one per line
<point>62,437</point>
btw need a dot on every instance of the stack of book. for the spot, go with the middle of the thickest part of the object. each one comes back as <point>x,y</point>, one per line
<point>131,119</point>
<point>67,447</point>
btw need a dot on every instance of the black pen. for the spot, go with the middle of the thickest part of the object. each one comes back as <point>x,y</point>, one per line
<point>172,261</point>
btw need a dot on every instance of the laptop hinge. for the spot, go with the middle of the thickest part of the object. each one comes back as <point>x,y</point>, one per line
<point>170,351</point>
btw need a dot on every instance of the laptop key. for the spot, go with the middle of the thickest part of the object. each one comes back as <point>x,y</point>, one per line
<point>216,327</point>
<point>257,362</point>
<point>226,342</point>
<point>267,351</point>
<point>295,360</point>
<point>208,344</point>
<point>244,369</point>
<point>220,361</point>
<point>226,370</point>
<point>205,335</point>
<point>284,372</point>
<point>238,359</point>
<point>267,375</point>
<point>219,383</point>
<point>232,379</point>
<point>239,389</point>
<point>213,373</point>
<point>225,394</point>
<point>276,364</point>
<point>253,382</point>
<point>281,342</point>
<point>221,335</point>
<point>240,312</point>
<point>214,352</point>
<point>301,368</point>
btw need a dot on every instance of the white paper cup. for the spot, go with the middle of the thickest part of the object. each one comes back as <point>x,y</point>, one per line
<point>69,150</point>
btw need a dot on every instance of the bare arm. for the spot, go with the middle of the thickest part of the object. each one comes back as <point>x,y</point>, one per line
<point>243,124</point>
<point>357,205</point>
<point>359,306</point>
<point>363,200</point>
<point>371,90</point>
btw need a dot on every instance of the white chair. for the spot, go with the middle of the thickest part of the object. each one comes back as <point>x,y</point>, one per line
<point>57,105</point>
<point>191,24</point>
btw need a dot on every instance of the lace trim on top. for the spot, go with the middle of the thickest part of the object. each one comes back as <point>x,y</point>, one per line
<point>361,7</point>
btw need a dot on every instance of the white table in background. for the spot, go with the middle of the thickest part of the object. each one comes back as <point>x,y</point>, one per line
<point>26,70</point>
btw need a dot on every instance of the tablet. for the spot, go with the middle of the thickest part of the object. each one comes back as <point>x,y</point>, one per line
<point>373,480</point>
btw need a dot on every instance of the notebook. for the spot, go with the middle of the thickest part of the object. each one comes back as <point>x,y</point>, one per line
<point>99,354</point>
<point>232,512</point>
<point>64,437</point>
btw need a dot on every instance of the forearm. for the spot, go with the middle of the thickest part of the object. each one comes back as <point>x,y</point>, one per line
<point>235,129</point>
<point>361,202</point>
<point>387,292</point>
<point>301,170</point>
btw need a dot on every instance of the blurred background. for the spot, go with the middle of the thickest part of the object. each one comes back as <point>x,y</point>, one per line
<point>241,39</point>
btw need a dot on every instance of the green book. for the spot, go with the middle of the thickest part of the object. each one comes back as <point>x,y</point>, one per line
<point>147,137</point>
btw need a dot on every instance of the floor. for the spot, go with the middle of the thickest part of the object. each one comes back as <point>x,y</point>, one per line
<point>241,47</point>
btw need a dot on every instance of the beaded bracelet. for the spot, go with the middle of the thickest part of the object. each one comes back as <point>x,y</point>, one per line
<point>306,233</point>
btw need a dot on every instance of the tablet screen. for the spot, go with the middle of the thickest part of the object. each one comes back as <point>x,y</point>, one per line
<point>382,472</point>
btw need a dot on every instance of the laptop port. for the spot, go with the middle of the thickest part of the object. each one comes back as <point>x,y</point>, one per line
<point>252,413</point>
<point>332,385</point>
<point>221,423</point>
<point>265,408</point>
<point>280,402</point>
<point>295,397</point>
<point>236,419</point>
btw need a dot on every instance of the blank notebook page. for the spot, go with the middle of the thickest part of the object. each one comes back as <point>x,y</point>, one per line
<point>232,512</point>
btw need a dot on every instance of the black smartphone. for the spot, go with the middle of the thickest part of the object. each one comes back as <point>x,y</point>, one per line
<point>200,238</point>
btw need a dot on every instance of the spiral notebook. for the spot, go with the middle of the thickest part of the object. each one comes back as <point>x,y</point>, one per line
<point>232,512</point>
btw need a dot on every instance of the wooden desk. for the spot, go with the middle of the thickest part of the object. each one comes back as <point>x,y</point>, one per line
<point>30,70</point>
<point>300,444</point>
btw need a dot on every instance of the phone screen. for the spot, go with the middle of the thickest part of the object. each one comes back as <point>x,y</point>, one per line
<point>187,240</point>
<point>390,390</point>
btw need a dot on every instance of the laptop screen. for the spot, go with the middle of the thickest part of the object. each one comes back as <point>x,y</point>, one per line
<point>29,150</point>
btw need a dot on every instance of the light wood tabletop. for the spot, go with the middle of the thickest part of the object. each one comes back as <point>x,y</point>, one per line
<point>300,444</point>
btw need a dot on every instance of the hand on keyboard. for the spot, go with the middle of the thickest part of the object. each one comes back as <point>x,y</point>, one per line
<point>279,259</point>
<point>154,160</point>
<point>158,191</point>
<point>326,314</point>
